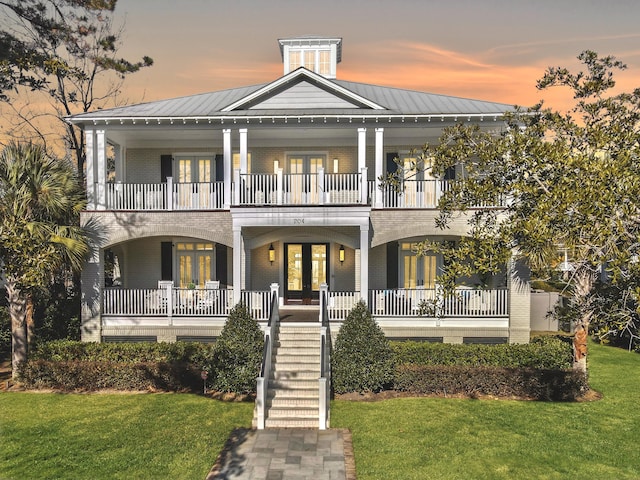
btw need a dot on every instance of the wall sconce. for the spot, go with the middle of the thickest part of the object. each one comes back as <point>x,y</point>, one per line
<point>335,165</point>
<point>276,166</point>
<point>272,254</point>
<point>341,254</point>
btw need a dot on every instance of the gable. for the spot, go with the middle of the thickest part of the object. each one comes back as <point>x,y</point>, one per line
<point>303,95</point>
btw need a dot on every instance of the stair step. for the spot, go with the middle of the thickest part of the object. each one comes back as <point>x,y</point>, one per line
<point>296,367</point>
<point>287,393</point>
<point>293,384</point>
<point>291,423</point>
<point>292,357</point>
<point>291,375</point>
<point>278,402</point>
<point>293,412</point>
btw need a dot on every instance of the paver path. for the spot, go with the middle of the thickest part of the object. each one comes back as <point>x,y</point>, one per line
<point>286,453</point>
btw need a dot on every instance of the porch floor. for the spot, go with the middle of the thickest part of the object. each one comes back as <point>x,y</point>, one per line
<point>299,313</point>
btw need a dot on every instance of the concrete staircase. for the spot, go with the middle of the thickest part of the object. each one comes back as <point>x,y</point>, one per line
<point>292,394</point>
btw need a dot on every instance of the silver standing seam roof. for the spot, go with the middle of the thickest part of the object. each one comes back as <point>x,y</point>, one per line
<point>394,100</point>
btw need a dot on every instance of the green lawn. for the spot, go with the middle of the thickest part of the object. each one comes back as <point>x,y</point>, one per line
<point>57,436</point>
<point>494,439</point>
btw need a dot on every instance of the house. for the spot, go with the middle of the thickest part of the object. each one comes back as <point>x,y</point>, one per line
<point>208,200</point>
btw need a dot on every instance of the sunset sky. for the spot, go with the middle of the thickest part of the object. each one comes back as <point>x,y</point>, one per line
<point>485,49</point>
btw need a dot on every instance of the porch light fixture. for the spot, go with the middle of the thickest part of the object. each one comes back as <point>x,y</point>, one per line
<point>341,254</point>
<point>272,254</point>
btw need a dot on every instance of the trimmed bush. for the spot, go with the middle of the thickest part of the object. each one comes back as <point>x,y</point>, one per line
<point>362,359</point>
<point>546,353</point>
<point>557,385</point>
<point>193,353</point>
<point>72,375</point>
<point>237,354</point>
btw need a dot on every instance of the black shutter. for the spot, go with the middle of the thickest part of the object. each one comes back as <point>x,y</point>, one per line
<point>219,168</point>
<point>166,262</point>
<point>221,264</point>
<point>392,265</point>
<point>166,167</point>
<point>450,173</point>
<point>392,166</point>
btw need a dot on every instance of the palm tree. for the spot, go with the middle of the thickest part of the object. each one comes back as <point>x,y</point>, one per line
<point>40,202</point>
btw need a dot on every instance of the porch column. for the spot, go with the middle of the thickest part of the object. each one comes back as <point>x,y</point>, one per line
<point>364,263</point>
<point>237,264</point>
<point>362,148</point>
<point>243,151</point>
<point>379,166</point>
<point>90,152</point>
<point>119,162</point>
<point>227,161</point>
<point>92,282</point>
<point>101,169</point>
<point>519,291</point>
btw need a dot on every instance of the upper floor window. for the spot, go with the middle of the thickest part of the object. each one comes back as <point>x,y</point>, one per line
<point>318,61</point>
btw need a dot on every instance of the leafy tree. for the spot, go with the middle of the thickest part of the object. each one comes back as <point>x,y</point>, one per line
<point>61,53</point>
<point>40,200</point>
<point>567,182</point>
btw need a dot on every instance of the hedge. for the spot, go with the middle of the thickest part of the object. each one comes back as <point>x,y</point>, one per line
<point>538,384</point>
<point>546,353</point>
<point>91,375</point>
<point>139,352</point>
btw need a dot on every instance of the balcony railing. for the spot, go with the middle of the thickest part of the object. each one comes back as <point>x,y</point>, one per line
<point>464,303</point>
<point>164,196</point>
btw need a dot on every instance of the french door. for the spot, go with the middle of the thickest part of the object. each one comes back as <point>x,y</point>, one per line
<point>194,175</point>
<point>302,179</point>
<point>305,271</point>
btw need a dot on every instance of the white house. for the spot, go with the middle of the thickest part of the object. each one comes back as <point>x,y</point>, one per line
<point>207,200</point>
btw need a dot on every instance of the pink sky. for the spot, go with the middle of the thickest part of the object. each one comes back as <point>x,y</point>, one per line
<point>485,49</point>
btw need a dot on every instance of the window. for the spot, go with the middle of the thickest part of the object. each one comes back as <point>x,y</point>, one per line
<point>417,271</point>
<point>195,263</point>
<point>236,162</point>
<point>316,60</point>
<point>194,169</point>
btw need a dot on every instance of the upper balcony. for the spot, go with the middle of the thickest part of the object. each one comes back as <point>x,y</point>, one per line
<point>271,190</point>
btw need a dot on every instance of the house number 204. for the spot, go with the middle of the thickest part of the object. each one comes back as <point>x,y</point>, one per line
<point>298,221</point>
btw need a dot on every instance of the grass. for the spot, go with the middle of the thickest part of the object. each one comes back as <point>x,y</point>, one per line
<point>118,436</point>
<point>433,438</point>
<point>178,436</point>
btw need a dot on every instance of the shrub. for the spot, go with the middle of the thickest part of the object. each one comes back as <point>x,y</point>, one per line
<point>362,359</point>
<point>542,353</point>
<point>562,385</point>
<point>70,375</point>
<point>237,354</point>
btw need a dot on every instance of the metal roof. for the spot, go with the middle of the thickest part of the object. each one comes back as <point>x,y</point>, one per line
<point>396,102</point>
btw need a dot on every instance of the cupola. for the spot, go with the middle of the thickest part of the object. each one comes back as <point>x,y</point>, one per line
<point>318,54</point>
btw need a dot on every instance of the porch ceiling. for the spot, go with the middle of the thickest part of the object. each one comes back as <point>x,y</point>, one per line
<point>290,135</point>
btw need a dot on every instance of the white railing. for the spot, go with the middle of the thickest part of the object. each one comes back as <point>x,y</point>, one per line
<point>197,302</point>
<point>164,196</point>
<point>342,188</point>
<point>324,382</point>
<point>258,303</point>
<point>270,339</point>
<point>427,302</point>
<point>339,304</point>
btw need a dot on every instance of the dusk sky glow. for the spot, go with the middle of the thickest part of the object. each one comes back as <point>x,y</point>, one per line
<point>491,50</point>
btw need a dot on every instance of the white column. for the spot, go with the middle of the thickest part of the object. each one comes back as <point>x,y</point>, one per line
<point>237,264</point>
<point>89,164</point>
<point>101,169</point>
<point>119,162</point>
<point>364,263</point>
<point>362,148</point>
<point>227,161</point>
<point>243,151</point>
<point>379,165</point>
<point>320,186</point>
<point>92,282</point>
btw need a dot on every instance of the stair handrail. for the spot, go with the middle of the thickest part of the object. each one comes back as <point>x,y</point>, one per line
<point>270,336</point>
<point>324,382</point>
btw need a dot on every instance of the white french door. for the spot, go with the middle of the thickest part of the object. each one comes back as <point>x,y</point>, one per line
<point>302,178</point>
<point>194,175</point>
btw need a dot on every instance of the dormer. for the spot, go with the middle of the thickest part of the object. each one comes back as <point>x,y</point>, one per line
<point>318,54</point>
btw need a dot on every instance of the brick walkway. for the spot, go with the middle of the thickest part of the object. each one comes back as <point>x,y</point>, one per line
<point>286,453</point>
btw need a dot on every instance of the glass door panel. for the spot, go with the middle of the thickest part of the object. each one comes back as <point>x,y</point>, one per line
<point>294,268</point>
<point>318,266</point>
